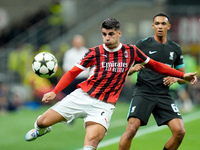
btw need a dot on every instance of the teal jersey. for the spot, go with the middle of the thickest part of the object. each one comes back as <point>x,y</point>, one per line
<point>148,81</point>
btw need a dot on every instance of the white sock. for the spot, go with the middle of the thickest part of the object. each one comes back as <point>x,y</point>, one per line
<point>40,130</point>
<point>89,148</point>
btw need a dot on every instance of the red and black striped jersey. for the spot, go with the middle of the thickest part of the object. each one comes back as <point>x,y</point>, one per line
<point>109,70</point>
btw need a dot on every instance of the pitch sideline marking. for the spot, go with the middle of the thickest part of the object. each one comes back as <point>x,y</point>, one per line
<point>155,128</point>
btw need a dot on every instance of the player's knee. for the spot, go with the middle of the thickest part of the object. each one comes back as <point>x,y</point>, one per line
<point>180,133</point>
<point>41,123</point>
<point>131,130</point>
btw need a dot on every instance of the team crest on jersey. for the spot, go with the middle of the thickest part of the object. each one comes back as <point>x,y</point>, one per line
<point>171,55</point>
<point>126,54</point>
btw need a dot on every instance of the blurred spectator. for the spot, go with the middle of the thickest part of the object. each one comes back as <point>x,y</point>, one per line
<point>20,60</point>
<point>8,101</point>
<point>73,56</point>
<point>56,20</point>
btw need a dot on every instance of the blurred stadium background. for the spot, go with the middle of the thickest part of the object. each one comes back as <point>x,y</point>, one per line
<point>28,27</point>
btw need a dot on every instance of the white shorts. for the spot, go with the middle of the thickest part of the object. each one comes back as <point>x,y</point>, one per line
<point>79,104</point>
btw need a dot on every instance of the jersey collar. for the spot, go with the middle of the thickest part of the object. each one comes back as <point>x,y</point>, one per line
<point>113,50</point>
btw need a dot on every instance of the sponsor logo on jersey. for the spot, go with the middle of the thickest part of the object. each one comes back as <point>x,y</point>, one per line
<point>152,52</point>
<point>114,66</point>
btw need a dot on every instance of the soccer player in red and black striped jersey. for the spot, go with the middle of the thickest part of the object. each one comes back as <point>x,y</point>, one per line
<point>95,98</point>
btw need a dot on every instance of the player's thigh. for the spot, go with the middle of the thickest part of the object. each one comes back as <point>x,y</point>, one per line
<point>94,133</point>
<point>141,107</point>
<point>49,118</point>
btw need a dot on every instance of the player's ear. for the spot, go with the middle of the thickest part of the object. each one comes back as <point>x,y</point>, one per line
<point>152,25</point>
<point>169,26</point>
<point>120,33</point>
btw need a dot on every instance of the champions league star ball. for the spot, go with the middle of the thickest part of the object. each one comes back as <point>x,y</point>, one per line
<point>45,65</point>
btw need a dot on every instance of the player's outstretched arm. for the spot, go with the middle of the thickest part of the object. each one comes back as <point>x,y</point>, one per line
<point>66,79</point>
<point>190,77</point>
<point>168,71</point>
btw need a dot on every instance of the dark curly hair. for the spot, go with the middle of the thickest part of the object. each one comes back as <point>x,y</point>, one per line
<point>110,23</point>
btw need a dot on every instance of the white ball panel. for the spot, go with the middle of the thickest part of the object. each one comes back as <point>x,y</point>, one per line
<point>50,65</point>
<point>48,56</point>
<point>39,57</point>
<point>36,65</point>
<point>44,70</point>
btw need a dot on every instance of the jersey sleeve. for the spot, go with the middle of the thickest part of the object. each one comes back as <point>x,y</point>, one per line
<point>87,60</point>
<point>140,57</point>
<point>67,78</point>
<point>163,69</point>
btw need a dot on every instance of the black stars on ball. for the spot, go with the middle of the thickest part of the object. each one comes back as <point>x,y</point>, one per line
<point>38,72</point>
<point>43,62</point>
<point>50,72</point>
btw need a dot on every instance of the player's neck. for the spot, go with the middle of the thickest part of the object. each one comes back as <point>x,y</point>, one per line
<point>113,49</point>
<point>160,39</point>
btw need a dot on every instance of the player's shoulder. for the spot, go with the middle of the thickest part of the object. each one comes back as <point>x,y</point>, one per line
<point>144,41</point>
<point>173,45</point>
<point>95,48</point>
<point>129,46</point>
<point>147,39</point>
<point>95,51</point>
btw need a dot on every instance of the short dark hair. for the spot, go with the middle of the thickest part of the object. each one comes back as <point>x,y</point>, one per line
<point>110,23</point>
<point>161,14</point>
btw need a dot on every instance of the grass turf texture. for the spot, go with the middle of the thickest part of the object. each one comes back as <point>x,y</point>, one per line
<point>14,126</point>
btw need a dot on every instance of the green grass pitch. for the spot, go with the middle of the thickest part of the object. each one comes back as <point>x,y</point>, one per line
<point>14,126</point>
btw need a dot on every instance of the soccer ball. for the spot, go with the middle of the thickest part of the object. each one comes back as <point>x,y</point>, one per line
<point>45,65</point>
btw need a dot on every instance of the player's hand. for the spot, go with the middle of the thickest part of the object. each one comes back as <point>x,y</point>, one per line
<point>190,77</point>
<point>135,68</point>
<point>168,81</point>
<point>48,97</point>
